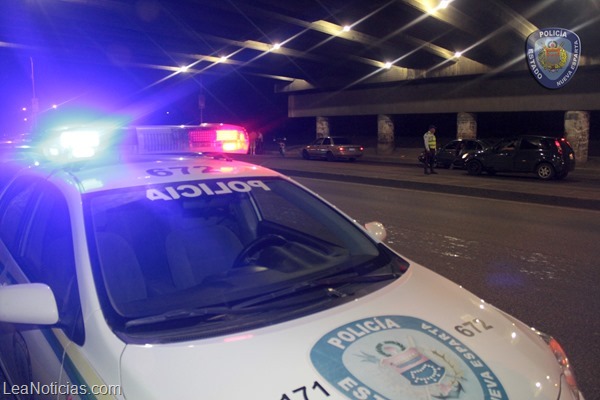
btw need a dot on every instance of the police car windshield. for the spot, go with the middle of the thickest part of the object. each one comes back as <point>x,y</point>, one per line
<point>213,243</point>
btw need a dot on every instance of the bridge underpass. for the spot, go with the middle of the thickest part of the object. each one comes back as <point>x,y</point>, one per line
<point>465,96</point>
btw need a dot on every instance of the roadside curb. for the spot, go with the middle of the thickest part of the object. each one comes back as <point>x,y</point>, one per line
<point>408,155</point>
<point>561,201</point>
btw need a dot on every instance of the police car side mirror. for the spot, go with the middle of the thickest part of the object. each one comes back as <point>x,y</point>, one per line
<point>376,230</point>
<point>28,303</point>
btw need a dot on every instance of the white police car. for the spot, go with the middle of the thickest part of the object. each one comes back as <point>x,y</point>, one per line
<point>197,277</point>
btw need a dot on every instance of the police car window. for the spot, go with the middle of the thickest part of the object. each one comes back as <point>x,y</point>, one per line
<point>46,254</point>
<point>287,205</point>
<point>13,211</point>
<point>49,249</point>
<point>185,242</point>
<point>326,142</point>
<point>281,210</point>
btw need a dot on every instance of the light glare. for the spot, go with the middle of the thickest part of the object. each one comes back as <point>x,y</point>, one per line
<point>445,3</point>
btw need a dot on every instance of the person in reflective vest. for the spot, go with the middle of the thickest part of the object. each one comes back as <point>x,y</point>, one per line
<point>430,147</point>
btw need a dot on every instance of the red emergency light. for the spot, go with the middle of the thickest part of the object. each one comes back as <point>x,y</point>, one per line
<point>204,138</point>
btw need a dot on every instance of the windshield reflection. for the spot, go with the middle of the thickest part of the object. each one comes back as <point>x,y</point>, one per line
<point>212,248</point>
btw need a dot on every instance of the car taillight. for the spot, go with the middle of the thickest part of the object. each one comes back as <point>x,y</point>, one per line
<point>558,147</point>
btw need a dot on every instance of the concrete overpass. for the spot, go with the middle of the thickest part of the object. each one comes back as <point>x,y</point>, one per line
<point>465,95</point>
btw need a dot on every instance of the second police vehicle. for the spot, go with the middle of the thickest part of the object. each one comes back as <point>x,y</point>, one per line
<point>188,275</point>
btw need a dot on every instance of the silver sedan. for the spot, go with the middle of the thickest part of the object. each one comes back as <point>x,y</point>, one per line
<point>332,148</point>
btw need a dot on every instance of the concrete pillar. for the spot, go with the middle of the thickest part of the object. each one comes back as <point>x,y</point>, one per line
<point>385,134</point>
<point>322,127</point>
<point>466,125</point>
<point>577,132</point>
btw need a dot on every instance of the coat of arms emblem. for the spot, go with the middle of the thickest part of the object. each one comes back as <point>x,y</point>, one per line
<point>394,357</point>
<point>553,56</point>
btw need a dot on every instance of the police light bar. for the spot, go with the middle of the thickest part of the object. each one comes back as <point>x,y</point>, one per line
<point>204,138</point>
<point>69,144</point>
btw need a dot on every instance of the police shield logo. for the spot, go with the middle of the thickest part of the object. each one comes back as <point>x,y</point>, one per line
<point>553,56</point>
<point>396,357</point>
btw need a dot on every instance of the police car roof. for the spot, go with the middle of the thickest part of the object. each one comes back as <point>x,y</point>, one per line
<point>149,170</point>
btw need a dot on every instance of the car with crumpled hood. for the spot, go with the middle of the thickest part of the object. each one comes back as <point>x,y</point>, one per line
<point>454,153</point>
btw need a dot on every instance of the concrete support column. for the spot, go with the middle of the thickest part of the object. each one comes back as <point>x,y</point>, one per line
<point>322,127</point>
<point>577,132</point>
<point>385,134</point>
<point>466,125</point>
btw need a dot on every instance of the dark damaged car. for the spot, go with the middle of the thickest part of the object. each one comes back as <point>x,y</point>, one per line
<point>545,156</point>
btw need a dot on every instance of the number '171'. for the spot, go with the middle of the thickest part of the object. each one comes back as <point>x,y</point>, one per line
<point>304,391</point>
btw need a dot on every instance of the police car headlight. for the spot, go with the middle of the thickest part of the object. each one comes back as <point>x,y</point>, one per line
<point>563,361</point>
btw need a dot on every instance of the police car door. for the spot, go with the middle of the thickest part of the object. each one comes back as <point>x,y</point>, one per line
<point>36,245</point>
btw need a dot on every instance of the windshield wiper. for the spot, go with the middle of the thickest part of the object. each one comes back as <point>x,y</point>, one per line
<point>182,313</point>
<point>355,277</point>
<point>208,312</point>
<point>263,301</point>
<point>328,282</point>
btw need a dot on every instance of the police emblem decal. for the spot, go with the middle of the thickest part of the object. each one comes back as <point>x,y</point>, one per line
<point>394,357</point>
<point>553,56</point>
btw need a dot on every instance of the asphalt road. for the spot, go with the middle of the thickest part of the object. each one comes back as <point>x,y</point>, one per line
<point>581,189</point>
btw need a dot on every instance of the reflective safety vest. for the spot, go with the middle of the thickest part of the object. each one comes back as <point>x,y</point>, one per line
<point>431,144</point>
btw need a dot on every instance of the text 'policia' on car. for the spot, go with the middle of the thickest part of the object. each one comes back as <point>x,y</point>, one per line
<point>155,276</point>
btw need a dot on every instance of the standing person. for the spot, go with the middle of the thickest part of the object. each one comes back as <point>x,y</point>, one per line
<point>259,143</point>
<point>430,146</point>
<point>252,138</point>
<point>457,154</point>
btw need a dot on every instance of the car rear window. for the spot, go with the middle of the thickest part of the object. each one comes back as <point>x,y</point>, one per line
<point>342,141</point>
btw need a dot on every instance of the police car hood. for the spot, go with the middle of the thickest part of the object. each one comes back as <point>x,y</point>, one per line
<point>421,337</point>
